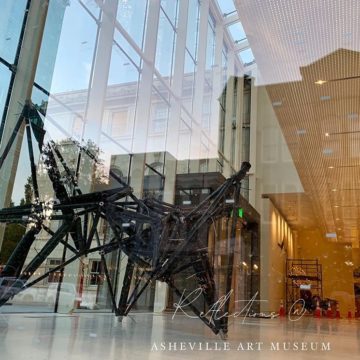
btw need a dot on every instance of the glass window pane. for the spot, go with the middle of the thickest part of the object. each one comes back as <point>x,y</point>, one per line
<point>93,7</point>
<point>247,56</point>
<point>237,32</point>
<point>206,107</point>
<point>158,125</point>
<point>188,84</point>
<point>64,114</point>
<point>165,47</point>
<point>131,15</point>
<point>120,101</point>
<point>171,8</point>
<point>185,141</point>
<point>153,183</point>
<point>210,47</point>
<point>122,70</point>
<point>67,49</point>
<point>193,27</point>
<point>224,65</point>
<point>11,19</point>
<point>5,75</point>
<point>127,48</point>
<point>226,6</point>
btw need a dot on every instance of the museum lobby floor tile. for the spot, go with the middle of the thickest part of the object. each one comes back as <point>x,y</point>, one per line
<point>147,336</point>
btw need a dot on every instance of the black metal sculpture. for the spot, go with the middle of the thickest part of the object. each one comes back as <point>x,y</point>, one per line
<point>160,238</point>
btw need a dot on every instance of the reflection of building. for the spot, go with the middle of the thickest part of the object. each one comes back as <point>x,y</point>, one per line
<point>160,89</point>
<point>165,102</point>
<point>162,171</point>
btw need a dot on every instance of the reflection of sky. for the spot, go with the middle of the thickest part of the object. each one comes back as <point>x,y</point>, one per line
<point>237,31</point>
<point>65,66</point>
<point>11,16</point>
<point>226,6</point>
<point>72,58</point>
<point>131,15</point>
<point>74,53</point>
<point>246,56</point>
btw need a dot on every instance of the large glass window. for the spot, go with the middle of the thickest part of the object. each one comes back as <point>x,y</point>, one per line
<point>131,15</point>
<point>165,46</point>
<point>123,68</point>
<point>247,56</point>
<point>209,73</point>
<point>11,20</point>
<point>121,94</point>
<point>92,6</point>
<point>127,49</point>
<point>237,32</point>
<point>224,65</point>
<point>192,36</point>
<point>210,46</point>
<point>185,143</point>
<point>171,9</point>
<point>188,86</point>
<point>158,120</point>
<point>67,50</point>
<point>226,6</point>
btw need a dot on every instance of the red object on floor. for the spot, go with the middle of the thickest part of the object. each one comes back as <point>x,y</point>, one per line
<point>317,312</point>
<point>349,315</point>
<point>282,309</point>
<point>337,312</point>
<point>329,313</point>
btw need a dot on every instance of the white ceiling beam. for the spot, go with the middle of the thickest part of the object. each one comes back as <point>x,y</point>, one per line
<point>241,46</point>
<point>229,20</point>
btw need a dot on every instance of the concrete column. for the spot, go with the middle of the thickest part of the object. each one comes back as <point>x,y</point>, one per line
<point>265,247</point>
<point>253,135</point>
<point>170,178</point>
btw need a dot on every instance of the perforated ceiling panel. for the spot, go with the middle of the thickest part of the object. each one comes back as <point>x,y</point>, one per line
<point>297,43</point>
<point>327,149</point>
<point>288,34</point>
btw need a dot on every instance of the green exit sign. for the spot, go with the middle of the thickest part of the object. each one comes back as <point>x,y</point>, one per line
<point>240,213</point>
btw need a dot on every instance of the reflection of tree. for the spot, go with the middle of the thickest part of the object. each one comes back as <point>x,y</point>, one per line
<point>14,232</point>
<point>83,163</point>
<point>28,193</point>
<point>99,175</point>
<point>92,173</point>
<point>12,235</point>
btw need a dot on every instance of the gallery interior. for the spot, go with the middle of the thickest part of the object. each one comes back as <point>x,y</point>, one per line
<point>163,162</point>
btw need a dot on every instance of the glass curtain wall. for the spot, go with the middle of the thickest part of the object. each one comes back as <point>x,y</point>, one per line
<point>134,88</point>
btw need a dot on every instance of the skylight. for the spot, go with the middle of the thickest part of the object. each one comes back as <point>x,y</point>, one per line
<point>237,32</point>
<point>246,56</point>
<point>226,6</point>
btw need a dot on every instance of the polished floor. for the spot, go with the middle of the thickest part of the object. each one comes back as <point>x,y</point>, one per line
<point>159,336</point>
